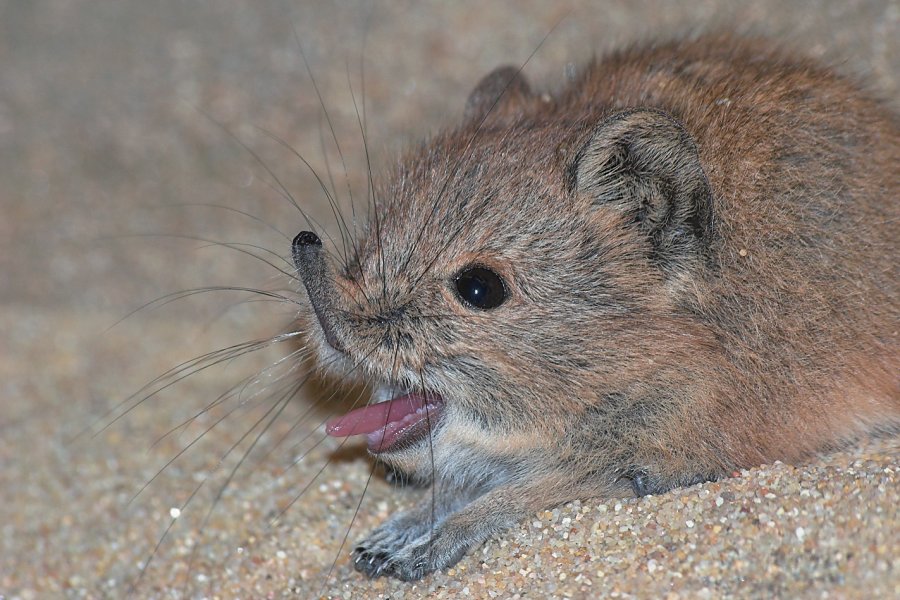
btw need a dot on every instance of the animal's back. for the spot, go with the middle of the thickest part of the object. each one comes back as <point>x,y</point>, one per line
<point>805,292</point>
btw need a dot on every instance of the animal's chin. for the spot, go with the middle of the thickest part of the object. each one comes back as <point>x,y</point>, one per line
<point>392,424</point>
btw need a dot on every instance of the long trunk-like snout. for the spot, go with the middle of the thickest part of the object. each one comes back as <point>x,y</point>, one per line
<point>314,273</point>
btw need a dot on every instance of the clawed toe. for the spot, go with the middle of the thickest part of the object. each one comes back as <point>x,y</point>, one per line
<point>371,563</point>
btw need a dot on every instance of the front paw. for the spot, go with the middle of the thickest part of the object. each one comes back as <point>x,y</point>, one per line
<point>411,561</point>
<point>414,544</point>
<point>374,555</point>
<point>645,484</point>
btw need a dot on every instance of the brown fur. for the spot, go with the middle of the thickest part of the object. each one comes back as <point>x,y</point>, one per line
<point>700,246</point>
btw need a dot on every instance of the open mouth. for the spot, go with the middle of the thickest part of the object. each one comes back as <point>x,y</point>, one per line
<point>391,424</point>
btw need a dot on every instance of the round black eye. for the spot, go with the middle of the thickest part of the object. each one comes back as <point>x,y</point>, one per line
<point>480,287</point>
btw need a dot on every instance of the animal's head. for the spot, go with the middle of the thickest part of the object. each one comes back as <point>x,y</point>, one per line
<point>515,272</point>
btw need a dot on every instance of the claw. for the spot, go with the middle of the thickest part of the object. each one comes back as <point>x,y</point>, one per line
<point>640,483</point>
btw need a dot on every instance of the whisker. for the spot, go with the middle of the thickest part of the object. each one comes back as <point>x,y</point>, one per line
<point>165,299</point>
<point>394,367</point>
<point>132,587</point>
<point>370,184</point>
<point>296,424</point>
<point>332,202</point>
<point>324,151</point>
<point>334,136</point>
<point>229,209</point>
<point>282,190</point>
<point>181,452</point>
<point>352,406</point>
<point>301,419</point>
<point>236,390</point>
<point>315,225</point>
<point>362,497</point>
<point>130,398</point>
<point>236,246</point>
<point>277,407</point>
<point>233,391</point>
<point>468,145</point>
<point>184,370</point>
<point>433,470</point>
<point>312,431</point>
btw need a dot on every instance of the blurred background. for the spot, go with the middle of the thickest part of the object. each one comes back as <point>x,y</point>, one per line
<point>127,128</point>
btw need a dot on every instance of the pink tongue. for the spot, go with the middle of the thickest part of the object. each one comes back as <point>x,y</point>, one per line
<point>375,416</point>
<point>385,422</point>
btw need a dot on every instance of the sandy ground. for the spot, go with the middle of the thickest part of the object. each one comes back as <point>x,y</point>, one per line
<point>116,123</point>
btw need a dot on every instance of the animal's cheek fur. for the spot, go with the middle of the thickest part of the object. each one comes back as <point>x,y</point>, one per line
<point>329,361</point>
<point>463,449</point>
<point>427,457</point>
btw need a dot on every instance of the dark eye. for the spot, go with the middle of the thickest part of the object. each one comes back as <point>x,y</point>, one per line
<point>480,287</point>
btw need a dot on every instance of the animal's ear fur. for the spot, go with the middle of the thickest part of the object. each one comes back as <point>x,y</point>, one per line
<point>643,163</point>
<point>499,93</point>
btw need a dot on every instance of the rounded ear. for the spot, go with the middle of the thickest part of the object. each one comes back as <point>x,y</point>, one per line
<point>501,92</point>
<point>643,163</point>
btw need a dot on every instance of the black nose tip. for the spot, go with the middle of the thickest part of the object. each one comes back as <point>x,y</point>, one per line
<point>306,238</point>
